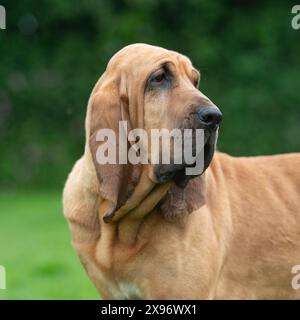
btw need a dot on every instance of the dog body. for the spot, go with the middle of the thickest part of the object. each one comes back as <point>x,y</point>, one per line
<point>240,239</point>
<point>241,245</point>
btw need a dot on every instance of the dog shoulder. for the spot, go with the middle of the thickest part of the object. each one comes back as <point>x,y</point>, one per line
<point>81,196</point>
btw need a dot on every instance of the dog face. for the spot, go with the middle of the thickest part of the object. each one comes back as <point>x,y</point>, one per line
<point>173,101</point>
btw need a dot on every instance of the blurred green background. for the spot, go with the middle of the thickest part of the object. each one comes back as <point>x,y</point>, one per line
<point>52,53</point>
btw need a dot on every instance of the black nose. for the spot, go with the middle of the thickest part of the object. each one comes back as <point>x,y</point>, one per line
<point>210,116</point>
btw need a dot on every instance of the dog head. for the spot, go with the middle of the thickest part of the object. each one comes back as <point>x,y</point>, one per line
<point>146,88</point>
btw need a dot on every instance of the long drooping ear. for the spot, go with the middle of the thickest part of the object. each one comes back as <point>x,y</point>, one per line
<point>107,107</point>
<point>181,201</point>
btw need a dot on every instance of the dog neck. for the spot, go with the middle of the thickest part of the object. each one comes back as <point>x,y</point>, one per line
<point>167,200</point>
<point>129,218</point>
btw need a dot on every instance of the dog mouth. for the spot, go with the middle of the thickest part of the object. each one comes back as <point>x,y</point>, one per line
<point>177,172</point>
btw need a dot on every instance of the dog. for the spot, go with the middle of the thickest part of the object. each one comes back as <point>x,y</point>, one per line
<point>150,231</point>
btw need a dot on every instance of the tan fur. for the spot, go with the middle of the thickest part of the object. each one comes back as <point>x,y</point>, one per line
<point>241,239</point>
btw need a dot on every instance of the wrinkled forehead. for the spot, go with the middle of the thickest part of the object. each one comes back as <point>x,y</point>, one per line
<point>142,58</point>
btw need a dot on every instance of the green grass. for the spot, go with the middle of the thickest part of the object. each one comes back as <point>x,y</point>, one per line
<point>36,250</point>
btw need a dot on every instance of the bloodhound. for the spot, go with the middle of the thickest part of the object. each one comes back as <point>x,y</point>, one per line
<point>149,231</point>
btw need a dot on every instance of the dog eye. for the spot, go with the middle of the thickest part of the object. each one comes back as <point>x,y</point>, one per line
<point>160,78</point>
<point>196,82</point>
